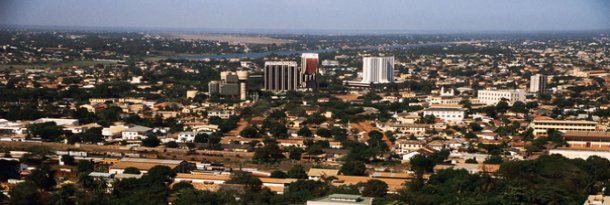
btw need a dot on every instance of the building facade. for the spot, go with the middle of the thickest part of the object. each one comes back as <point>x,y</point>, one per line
<point>447,114</point>
<point>281,76</point>
<point>493,97</point>
<point>541,126</point>
<point>377,70</point>
<point>537,83</point>
<point>309,70</point>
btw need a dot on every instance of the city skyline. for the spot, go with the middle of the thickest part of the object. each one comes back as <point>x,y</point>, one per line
<point>270,16</point>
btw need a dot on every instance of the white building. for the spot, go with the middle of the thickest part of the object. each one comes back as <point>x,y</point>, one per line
<point>378,70</point>
<point>493,97</point>
<point>447,114</point>
<point>537,83</point>
<point>136,133</point>
<point>541,126</point>
<point>57,121</point>
<point>184,137</point>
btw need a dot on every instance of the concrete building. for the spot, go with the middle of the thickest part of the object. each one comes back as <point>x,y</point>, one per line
<point>281,76</point>
<point>588,140</point>
<point>537,83</point>
<point>447,114</point>
<point>309,70</point>
<point>541,126</point>
<point>230,84</point>
<point>493,97</point>
<point>191,93</point>
<point>377,70</point>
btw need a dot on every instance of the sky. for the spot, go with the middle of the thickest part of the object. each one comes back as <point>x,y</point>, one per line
<point>314,15</point>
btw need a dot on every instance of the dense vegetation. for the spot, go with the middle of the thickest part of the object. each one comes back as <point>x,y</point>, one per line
<point>550,179</point>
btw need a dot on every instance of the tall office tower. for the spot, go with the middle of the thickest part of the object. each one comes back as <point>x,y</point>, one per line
<point>537,83</point>
<point>309,70</point>
<point>242,75</point>
<point>378,70</point>
<point>281,76</point>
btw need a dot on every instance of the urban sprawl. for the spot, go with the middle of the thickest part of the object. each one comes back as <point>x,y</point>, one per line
<point>149,118</point>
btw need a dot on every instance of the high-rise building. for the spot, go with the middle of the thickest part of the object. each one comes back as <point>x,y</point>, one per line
<point>378,70</point>
<point>537,83</point>
<point>309,70</point>
<point>281,76</point>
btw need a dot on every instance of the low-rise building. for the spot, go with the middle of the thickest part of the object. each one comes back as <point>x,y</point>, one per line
<point>541,126</point>
<point>447,114</point>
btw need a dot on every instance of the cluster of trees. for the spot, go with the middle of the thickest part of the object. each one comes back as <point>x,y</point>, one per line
<point>550,179</point>
<point>547,180</point>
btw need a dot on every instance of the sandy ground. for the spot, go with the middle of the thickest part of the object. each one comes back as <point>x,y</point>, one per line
<point>235,39</point>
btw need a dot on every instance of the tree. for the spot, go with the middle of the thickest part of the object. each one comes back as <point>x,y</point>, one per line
<point>440,156</point>
<point>323,132</point>
<point>356,168</point>
<point>151,141</point>
<point>48,131</point>
<point>43,177</point>
<point>252,183</point>
<point>279,131</point>
<point>93,135</point>
<point>131,170</point>
<point>249,132</point>
<point>201,138</point>
<point>297,172</point>
<point>316,118</point>
<point>502,106</point>
<point>192,196</point>
<point>421,164</point>
<point>9,169</point>
<point>531,105</point>
<point>339,134</point>
<point>295,153</point>
<point>466,103</point>
<point>64,195</point>
<point>67,159</point>
<point>278,174</point>
<point>84,166</point>
<point>181,185</point>
<point>303,190</point>
<point>375,188</point>
<point>475,127</point>
<point>171,144</point>
<point>376,141</point>
<point>215,120</point>
<point>519,107</point>
<point>428,119</point>
<point>270,153</point>
<point>471,161</point>
<point>305,132</point>
<point>25,193</point>
<point>159,173</point>
<point>494,159</point>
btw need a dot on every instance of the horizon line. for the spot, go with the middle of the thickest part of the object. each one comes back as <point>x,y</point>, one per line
<point>271,31</point>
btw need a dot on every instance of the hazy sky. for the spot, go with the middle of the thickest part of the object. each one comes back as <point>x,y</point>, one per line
<point>304,15</point>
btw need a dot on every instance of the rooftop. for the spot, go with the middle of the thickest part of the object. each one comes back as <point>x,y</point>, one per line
<point>343,199</point>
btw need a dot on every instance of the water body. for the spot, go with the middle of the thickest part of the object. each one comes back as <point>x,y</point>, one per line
<point>289,53</point>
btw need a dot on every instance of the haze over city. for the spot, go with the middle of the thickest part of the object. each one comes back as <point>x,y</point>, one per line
<point>302,16</point>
